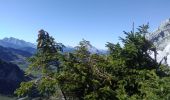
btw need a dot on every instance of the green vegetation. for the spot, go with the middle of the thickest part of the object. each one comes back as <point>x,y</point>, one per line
<point>4,97</point>
<point>126,73</point>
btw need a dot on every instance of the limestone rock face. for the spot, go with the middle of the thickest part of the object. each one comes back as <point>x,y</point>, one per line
<point>161,37</point>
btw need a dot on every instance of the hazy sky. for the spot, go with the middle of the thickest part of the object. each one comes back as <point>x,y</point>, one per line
<point>69,21</point>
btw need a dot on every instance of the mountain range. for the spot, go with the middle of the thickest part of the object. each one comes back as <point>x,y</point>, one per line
<point>15,43</point>
<point>17,51</point>
<point>18,44</point>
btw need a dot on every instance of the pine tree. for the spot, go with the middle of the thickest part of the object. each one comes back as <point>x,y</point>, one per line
<point>44,64</point>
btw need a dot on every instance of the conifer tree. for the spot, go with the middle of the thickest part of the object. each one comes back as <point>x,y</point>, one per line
<point>44,64</point>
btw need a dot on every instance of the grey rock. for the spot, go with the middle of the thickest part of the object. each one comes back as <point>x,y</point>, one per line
<point>161,39</point>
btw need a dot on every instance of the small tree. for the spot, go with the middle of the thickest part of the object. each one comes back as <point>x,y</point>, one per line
<point>45,64</point>
<point>84,74</point>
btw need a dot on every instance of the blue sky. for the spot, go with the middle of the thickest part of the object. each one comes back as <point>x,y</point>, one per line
<point>69,21</point>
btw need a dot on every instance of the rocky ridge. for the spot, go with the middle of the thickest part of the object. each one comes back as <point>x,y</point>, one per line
<point>161,39</point>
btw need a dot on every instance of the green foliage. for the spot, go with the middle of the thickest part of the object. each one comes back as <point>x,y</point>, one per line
<point>47,86</point>
<point>44,64</point>
<point>26,88</point>
<point>138,74</point>
<point>85,75</point>
<point>126,73</point>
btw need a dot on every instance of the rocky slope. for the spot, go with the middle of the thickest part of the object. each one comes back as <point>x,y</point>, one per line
<point>161,39</point>
<point>10,77</point>
<point>15,56</point>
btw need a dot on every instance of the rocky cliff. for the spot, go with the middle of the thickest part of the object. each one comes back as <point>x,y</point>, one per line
<point>161,39</point>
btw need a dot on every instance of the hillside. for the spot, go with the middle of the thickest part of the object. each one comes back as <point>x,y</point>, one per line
<point>10,77</point>
<point>15,56</point>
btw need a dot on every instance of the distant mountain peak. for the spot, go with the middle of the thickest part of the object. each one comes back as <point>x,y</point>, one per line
<point>18,42</point>
<point>12,39</point>
<point>15,43</point>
